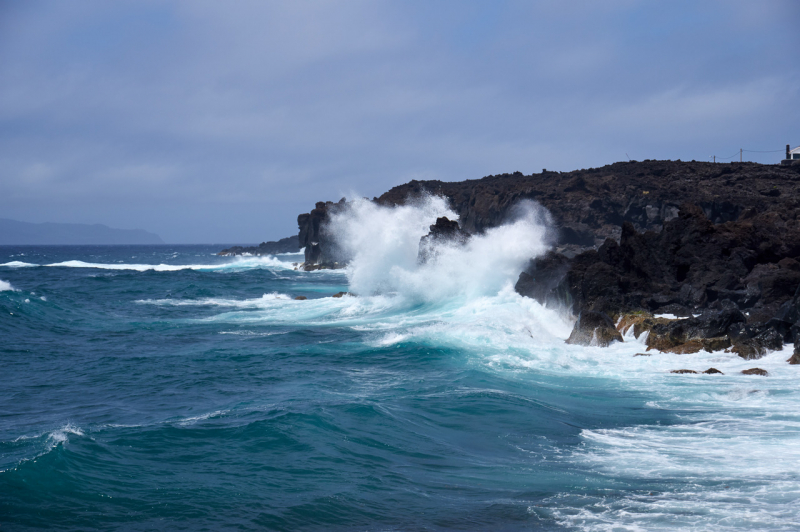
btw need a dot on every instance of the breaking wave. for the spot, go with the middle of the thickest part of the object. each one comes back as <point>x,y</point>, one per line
<point>384,243</point>
<point>18,264</point>
<point>241,264</point>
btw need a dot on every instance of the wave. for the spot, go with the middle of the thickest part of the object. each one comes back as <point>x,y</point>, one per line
<point>262,302</point>
<point>384,244</point>
<point>241,264</point>
<point>18,264</point>
<point>6,286</point>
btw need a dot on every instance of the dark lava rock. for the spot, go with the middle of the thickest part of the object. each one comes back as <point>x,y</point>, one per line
<point>300,298</point>
<point>707,331</point>
<point>626,239</point>
<point>642,354</point>
<point>755,371</point>
<point>444,231</point>
<point>320,246</point>
<point>683,371</point>
<point>756,347</point>
<point>712,371</point>
<point>594,328</point>
<point>341,294</point>
<point>542,278</point>
<point>795,358</point>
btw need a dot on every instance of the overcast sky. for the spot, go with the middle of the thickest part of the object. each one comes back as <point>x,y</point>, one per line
<point>221,121</point>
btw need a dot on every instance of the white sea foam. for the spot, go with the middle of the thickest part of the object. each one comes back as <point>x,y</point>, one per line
<point>61,436</point>
<point>730,460</point>
<point>264,301</point>
<point>6,286</point>
<point>384,244</point>
<point>18,264</point>
<point>201,417</point>
<point>239,264</point>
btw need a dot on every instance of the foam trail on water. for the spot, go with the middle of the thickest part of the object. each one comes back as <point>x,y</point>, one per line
<point>18,264</point>
<point>241,264</point>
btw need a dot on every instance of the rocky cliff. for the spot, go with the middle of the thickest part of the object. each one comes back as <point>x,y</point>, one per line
<point>685,238</point>
<point>320,249</point>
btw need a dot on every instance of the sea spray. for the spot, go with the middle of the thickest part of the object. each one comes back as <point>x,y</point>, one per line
<point>384,243</point>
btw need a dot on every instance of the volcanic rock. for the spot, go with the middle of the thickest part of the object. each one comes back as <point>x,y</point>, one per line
<point>594,328</point>
<point>444,231</point>
<point>755,371</point>
<point>795,358</point>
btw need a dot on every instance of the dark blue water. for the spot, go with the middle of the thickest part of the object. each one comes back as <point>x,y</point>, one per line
<point>138,394</point>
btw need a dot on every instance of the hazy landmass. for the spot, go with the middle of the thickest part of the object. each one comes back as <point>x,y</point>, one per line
<point>13,232</point>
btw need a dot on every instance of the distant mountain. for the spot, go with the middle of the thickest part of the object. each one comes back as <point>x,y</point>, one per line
<point>13,232</point>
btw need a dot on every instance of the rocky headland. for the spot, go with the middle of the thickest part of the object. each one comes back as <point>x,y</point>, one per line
<point>695,255</point>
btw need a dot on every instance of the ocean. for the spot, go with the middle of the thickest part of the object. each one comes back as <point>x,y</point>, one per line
<point>168,388</point>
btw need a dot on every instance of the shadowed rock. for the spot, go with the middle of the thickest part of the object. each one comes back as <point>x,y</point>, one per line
<point>795,358</point>
<point>594,328</point>
<point>444,231</point>
<point>755,371</point>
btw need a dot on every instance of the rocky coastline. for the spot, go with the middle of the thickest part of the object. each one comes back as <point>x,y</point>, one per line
<point>695,255</point>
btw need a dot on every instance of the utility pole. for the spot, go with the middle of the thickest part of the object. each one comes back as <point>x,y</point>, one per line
<point>715,158</point>
<point>740,155</point>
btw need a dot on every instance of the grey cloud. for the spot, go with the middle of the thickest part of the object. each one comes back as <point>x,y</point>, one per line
<point>205,122</point>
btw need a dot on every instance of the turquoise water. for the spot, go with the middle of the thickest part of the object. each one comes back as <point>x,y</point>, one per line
<point>168,388</point>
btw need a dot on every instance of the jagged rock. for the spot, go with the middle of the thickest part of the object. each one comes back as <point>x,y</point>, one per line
<point>542,277</point>
<point>444,231</point>
<point>795,358</point>
<point>594,328</point>
<point>341,294</point>
<point>642,354</point>
<point>320,246</point>
<point>707,331</point>
<point>641,321</point>
<point>757,346</point>
<point>755,371</point>
<point>300,298</point>
<point>712,371</point>
<point>683,371</point>
<point>732,250</point>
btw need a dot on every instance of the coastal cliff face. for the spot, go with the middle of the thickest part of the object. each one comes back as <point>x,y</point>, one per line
<point>656,236</point>
<point>591,205</point>
<point>320,249</point>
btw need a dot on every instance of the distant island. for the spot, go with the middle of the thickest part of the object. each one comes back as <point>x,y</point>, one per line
<point>13,232</point>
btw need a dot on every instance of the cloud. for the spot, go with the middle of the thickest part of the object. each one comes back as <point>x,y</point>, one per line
<point>152,114</point>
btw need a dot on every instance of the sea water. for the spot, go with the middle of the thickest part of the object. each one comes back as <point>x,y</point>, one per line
<point>166,387</point>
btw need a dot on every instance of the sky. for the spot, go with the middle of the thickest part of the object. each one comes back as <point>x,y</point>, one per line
<point>220,122</point>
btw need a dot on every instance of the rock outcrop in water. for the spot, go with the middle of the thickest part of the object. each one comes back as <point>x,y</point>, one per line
<point>444,231</point>
<point>321,251</point>
<point>716,244</point>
